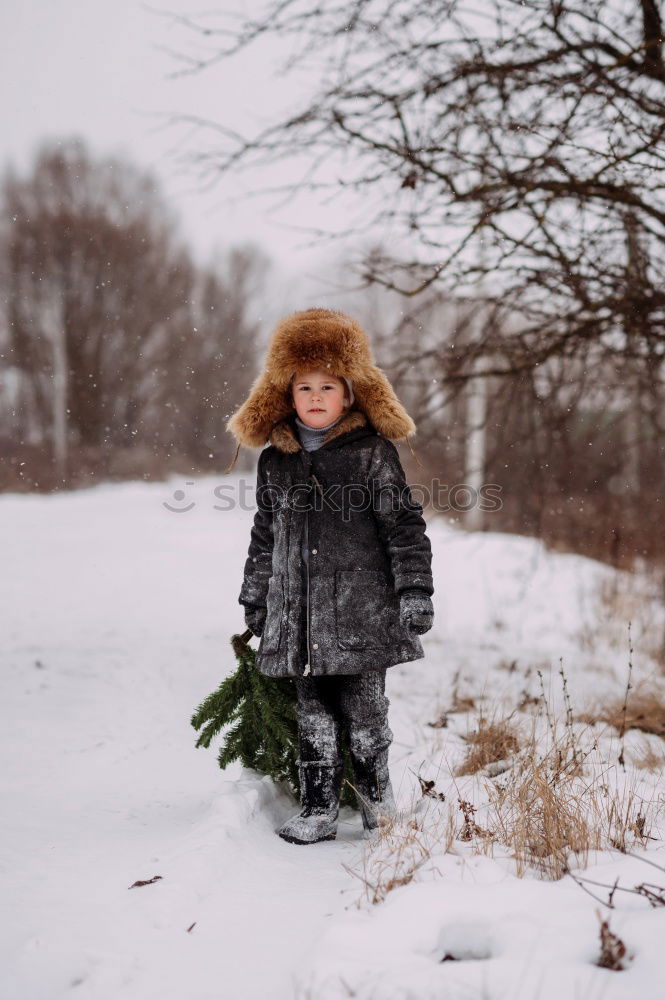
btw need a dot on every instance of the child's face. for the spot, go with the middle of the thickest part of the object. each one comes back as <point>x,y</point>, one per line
<point>319,398</point>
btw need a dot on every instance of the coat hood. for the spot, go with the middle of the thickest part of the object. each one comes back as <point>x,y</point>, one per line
<point>318,338</point>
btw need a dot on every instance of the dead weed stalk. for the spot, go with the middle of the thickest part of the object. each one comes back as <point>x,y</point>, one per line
<point>613,952</point>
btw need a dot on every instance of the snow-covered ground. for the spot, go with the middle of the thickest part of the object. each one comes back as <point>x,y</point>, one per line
<point>116,618</point>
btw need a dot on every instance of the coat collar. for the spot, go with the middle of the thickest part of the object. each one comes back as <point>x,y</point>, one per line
<point>284,435</point>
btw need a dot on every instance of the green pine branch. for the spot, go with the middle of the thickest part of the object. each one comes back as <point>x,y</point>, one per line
<point>260,713</point>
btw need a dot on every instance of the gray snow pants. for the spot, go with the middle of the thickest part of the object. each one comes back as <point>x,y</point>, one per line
<point>356,701</point>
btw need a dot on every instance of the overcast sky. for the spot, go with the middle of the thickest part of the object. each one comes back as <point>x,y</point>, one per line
<point>97,68</point>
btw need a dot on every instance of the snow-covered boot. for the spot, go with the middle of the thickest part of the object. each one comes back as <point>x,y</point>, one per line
<point>373,788</point>
<point>320,787</point>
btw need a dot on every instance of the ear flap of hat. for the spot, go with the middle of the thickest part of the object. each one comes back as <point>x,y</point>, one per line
<point>376,396</point>
<point>265,406</point>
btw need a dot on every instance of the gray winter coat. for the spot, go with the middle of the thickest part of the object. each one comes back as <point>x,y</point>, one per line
<point>349,504</point>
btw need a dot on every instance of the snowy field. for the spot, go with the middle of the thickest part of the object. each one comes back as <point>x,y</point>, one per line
<point>116,618</point>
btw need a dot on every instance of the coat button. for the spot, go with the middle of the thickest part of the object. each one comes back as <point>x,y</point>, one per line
<point>315,645</point>
<point>314,551</point>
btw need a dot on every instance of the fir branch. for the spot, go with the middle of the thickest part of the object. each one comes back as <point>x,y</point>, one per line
<point>261,714</point>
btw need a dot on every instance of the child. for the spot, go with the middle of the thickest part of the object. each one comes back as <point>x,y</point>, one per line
<point>337,581</point>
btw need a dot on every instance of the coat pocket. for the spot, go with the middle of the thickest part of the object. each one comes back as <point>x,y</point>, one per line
<point>272,631</point>
<point>365,609</point>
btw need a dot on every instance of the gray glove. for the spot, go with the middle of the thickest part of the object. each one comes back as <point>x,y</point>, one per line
<point>416,611</point>
<point>255,618</point>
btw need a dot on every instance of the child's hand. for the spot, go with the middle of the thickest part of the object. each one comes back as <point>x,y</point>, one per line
<point>416,611</point>
<point>255,618</point>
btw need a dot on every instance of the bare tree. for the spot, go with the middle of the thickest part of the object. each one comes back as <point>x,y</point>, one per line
<point>514,151</point>
<point>539,125</point>
<point>96,283</point>
<point>113,342</point>
<point>211,370</point>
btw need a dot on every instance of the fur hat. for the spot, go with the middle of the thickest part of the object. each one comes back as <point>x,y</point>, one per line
<point>326,339</point>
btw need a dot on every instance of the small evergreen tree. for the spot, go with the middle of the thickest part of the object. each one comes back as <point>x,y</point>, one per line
<point>264,729</point>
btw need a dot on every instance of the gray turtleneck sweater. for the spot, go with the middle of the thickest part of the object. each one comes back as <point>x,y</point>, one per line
<point>311,438</point>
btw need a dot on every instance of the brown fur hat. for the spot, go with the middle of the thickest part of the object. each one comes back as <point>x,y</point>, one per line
<point>318,338</point>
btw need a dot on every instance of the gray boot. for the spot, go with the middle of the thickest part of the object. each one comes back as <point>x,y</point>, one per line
<point>320,787</point>
<point>374,790</point>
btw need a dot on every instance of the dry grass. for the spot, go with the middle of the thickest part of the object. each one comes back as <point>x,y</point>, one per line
<point>400,848</point>
<point>644,710</point>
<point>647,759</point>
<point>551,798</point>
<point>464,703</point>
<point>537,815</point>
<point>493,741</point>
<point>551,809</point>
<point>623,817</point>
<point>561,802</point>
